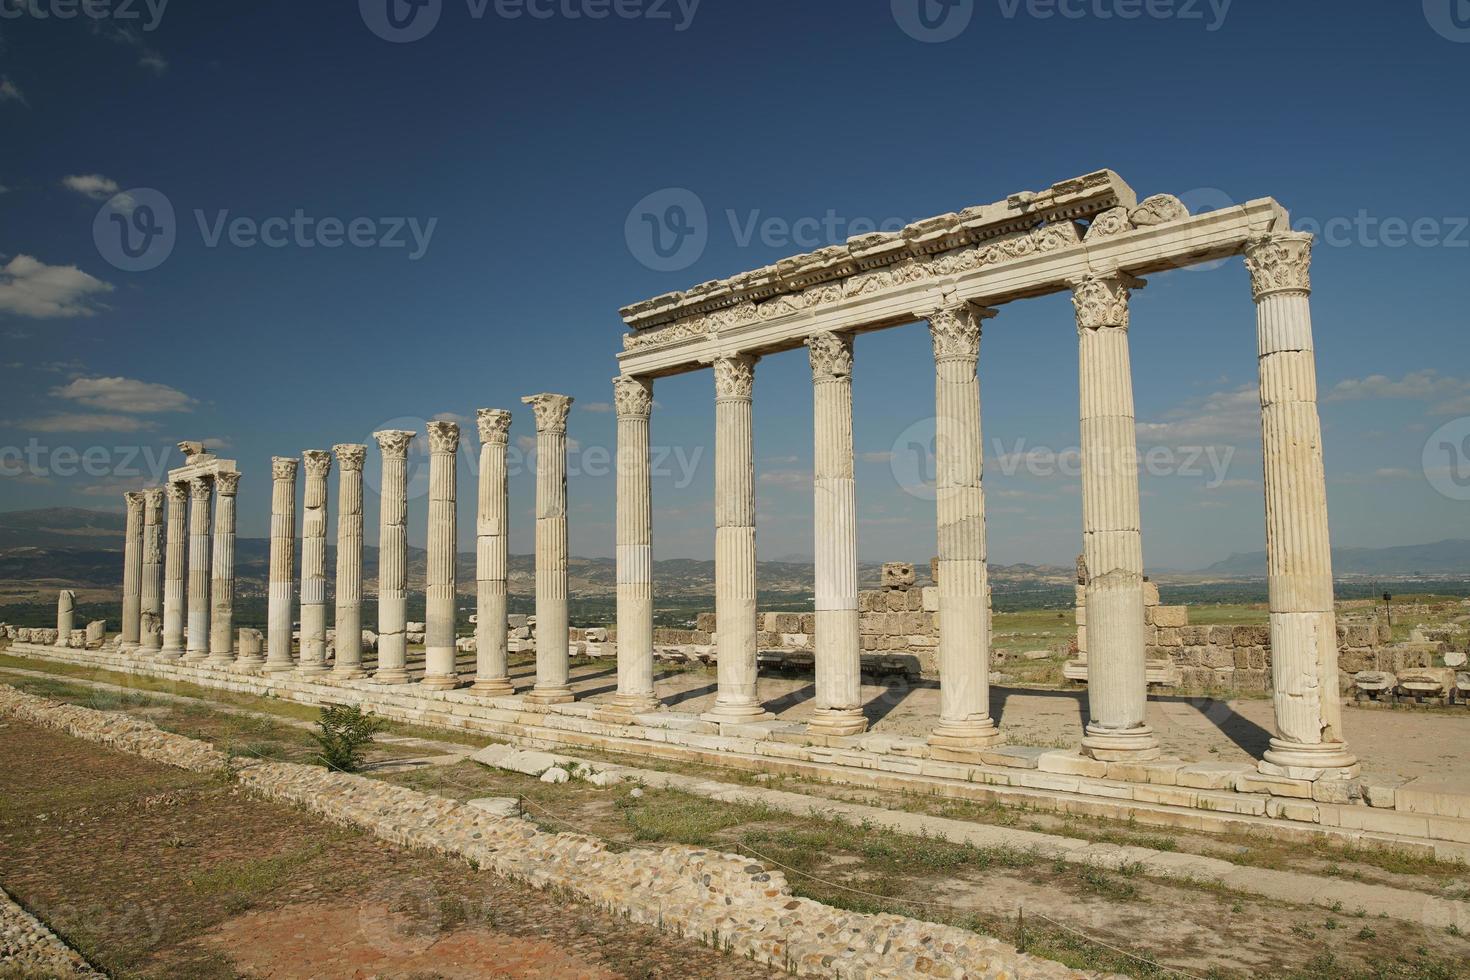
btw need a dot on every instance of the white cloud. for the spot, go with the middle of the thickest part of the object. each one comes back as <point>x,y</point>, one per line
<point>29,287</point>
<point>95,186</point>
<point>885,456</point>
<point>1448,395</point>
<point>216,442</point>
<point>125,395</point>
<point>154,62</point>
<point>83,422</point>
<point>9,92</point>
<point>787,478</point>
<point>597,408</point>
<point>1221,416</point>
<point>4,189</point>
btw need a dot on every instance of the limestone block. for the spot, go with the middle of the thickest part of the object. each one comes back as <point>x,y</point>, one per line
<point>1168,615</point>
<point>930,598</point>
<point>898,575</point>
<point>500,806</point>
<point>1251,636</point>
<point>1381,797</point>
<point>1252,680</point>
<point>1169,638</point>
<point>1071,763</point>
<point>515,621</point>
<point>705,622</point>
<point>597,634</point>
<point>896,601</point>
<point>1211,775</point>
<point>788,622</point>
<point>1454,658</point>
<point>96,633</point>
<point>369,640</point>
<point>1150,593</point>
<point>414,627</point>
<point>1195,636</point>
<point>249,642</point>
<point>1291,810</point>
<point>809,623</point>
<point>1257,782</point>
<point>465,644</point>
<point>414,637</point>
<point>1340,791</point>
<point>1221,636</point>
<point>555,775</point>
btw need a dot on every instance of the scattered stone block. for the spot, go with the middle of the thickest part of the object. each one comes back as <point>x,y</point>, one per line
<point>555,774</point>
<point>500,806</point>
<point>898,575</point>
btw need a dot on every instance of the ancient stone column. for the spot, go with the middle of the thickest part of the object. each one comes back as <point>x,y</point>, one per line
<point>222,588</point>
<point>201,489</point>
<point>283,560</point>
<point>314,563</point>
<point>492,555</point>
<point>348,621</point>
<point>66,607</point>
<point>838,652</point>
<point>132,597</point>
<point>440,671</point>
<point>735,615</point>
<point>633,398</point>
<point>1310,742</point>
<point>392,552</point>
<point>552,650</point>
<point>150,617</point>
<point>959,495</point>
<point>1112,539</point>
<point>173,573</point>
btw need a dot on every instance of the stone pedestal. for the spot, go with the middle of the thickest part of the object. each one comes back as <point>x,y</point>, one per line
<point>348,621</point>
<point>964,609</point>
<point>392,551</point>
<point>132,598</point>
<point>1310,742</point>
<point>633,399</point>
<point>552,652</point>
<point>282,566</point>
<point>66,608</point>
<point>1112,541</point>
<point>173,572</point>
<point>314,563</point>
<point>150,617</point>
<point>440,671</point>
<point>222,585</point>
<point>838,655</point>
<point>492,531</point>
<point>197,640</point>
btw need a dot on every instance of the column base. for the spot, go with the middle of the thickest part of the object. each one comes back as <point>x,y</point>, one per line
<point>195,657</point>
<point>1120,744</point>
<point>391,675</point>
<point>1298,760</point>
<point>170,655</point>
<point>348,673</point>
<point>440,682</point>
<point>635,704</point>
<point>737,712</point>
<point>125,647</point>
<point>313,669</point>
<point>980,733</point>
<point>279,666</point>
<point>493,686</point>
<point>550,695</point>
<point>249,665</point>
<point>220,659</point>
<point>147,653</point>
<point>837,721</point>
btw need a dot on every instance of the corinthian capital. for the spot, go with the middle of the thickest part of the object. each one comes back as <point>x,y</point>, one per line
<point>152,505</point>
<point>318,463</point>
<point>633,397</point>
<point>178,492</point>
<point>133,500</point>
<point>283,468</point>
<point>734,376</point>
<point>831,355</point>
<point>394,442</point>
<point>228,484</point>
<point>350,456</point>
<point>1102,301</point>
<point>550,410</point>
<point>200,487</point>
<point>1279,263</point>
<point>955,330</point>
<point>494,424</point>
<point>443,436</point>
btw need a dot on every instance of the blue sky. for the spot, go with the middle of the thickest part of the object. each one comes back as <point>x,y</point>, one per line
<point>519,145</point>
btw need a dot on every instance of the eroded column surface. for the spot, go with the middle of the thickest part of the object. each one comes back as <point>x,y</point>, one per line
<point>173,572</point>
<point>66,606</point>
<point>196,648</point>
<point>959,496</point>
<point>150,602</point>
<point>735,581</point>
<point>1310,742</point>
<point>838,652</point>
<point>314,563</point>
<point>633,399</point>
<point>282,567</point>
<point>392,557</point>
<point>492,520</point>
<point>222,585</point>
<point>348,621</point>
<point>1112,539</point>
<point>132,597</point>
<point>552,651</point>
<point>440,672</point>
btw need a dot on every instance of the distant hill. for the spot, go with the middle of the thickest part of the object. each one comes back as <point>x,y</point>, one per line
<point>1442,558</point>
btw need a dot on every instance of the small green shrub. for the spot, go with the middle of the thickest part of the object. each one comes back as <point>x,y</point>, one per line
<point>344,732</point>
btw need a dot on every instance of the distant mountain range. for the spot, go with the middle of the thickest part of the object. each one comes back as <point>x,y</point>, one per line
<point>1442,558</point>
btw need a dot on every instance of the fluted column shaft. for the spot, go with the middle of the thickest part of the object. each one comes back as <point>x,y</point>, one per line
<point>132,572</point>
<point>1310,740</point>
<point>964,609</point>
<point>200,491</point>
<point>282,561</point>
<point>392,555</point>
<point>66,605</point>
<point>173,572</point>
<point>348,620</point>
<point>1112,538</point>
<point>150,603</point>
<point>314,563</point>
<point>838,651</point>
<point>492,558</point>
<point>552,652</point>
<point>440,671</point>
<point>222,588</point>
<point>633,399</point>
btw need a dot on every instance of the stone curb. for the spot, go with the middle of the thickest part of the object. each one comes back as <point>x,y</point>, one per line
<point>27,945</point>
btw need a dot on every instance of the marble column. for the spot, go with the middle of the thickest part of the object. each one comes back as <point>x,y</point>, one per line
<point>1112,539</point>
<point>222,588</point>
<point>173,573</point>
<point>132,598</point>
<point>348,621</point>
<point>66,607</point>
<point>201,490</point>
<point>492,525</point>
<point>150,604</point>
<point>392,555</point>
<point>440,670</point>
<point>314,563</point>
<point>633,399</point>
<point>283,560</point>
<point>959,495</point>
<point>552,640</point>
<point>1309,742</point>
<point>735,615</point>
<point>838,651</point>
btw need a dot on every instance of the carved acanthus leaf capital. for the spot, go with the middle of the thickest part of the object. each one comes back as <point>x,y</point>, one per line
<point>1102,301</point>
<point>152,505</point>
<point>831,355</point>
<point>133,500</point>
<point>318,463</point>
<point>494,425</point>
<point>955,330</point>
<point>178,492</point>
<point>283,468</point>
<point>443,436</point>
<point>551,411</point>
<point>228,484</point>
<point>200,487</point>
<point>633,397</point>
<point>734,376</point>
<point>350,456</point>
<point>394,442</point>
<point>1280,262</point>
